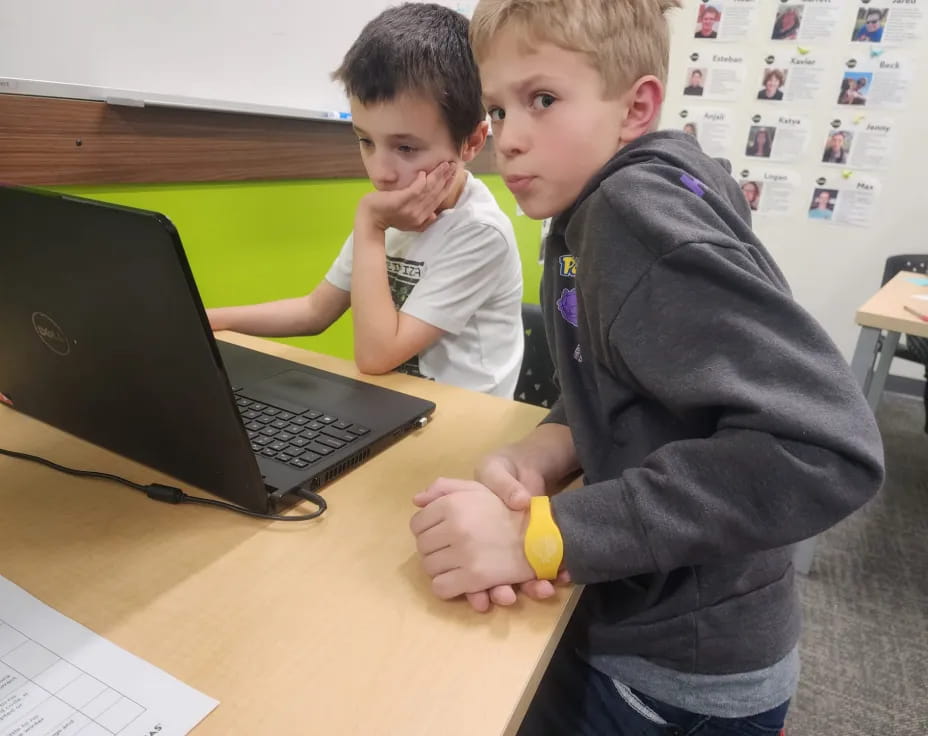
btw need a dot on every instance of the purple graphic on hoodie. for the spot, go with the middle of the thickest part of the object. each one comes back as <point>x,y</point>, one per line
<point>567,305</point>
<point>693,184</point>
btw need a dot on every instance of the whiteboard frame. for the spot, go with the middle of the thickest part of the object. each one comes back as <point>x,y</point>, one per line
<point>134,98</point>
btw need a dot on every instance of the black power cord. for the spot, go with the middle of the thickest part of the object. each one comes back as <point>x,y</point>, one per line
<point>170,494</point>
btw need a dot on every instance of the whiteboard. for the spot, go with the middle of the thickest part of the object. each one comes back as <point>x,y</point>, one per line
<point>272,57</point>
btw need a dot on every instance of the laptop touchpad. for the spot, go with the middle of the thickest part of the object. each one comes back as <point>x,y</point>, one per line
<point>296,391</point>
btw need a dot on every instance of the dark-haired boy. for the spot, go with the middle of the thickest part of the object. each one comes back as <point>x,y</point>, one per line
<point>431,271</point>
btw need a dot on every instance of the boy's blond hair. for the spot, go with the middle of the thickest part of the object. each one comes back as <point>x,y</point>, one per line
<point>623,39</point>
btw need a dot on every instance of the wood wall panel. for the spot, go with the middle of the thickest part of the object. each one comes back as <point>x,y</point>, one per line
<point>51,141</point>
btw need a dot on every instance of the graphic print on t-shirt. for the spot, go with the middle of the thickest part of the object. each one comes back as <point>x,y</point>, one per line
<point>403,275</point>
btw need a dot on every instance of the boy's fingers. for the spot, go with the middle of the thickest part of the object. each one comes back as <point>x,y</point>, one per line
<point>441,177</point>
<point>505,485</point>
<point>432,493</point>
<point>428,221</point>
<point>480,602</point>
<point>538,589</point>
<point>432,540</point>
<point>541,589</point>
<point>425,519</point>
<point>450,584</point>
<point>423,498</point>
<point>440,562</point>
<point>449,182</point>
<point>420,183</point>
<point>503,595</point>
<point>436,175</point>
<point>442,171</point>
<point>442,487</point>
<point>518,499</point>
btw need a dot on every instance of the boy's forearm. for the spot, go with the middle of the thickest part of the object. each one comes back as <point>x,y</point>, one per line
<point>284,318</point>
<point>376,321</point>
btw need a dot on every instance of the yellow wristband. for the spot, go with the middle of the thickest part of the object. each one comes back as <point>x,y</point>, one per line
<point>544,547</point>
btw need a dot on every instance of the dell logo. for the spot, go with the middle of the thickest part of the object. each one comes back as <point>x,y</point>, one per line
<point>50,333</point>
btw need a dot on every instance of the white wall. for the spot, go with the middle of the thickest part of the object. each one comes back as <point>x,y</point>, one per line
<point>832,268</point>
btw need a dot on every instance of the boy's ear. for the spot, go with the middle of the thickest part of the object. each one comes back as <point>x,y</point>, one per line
<point>644,107</point>
<point>475,142</point>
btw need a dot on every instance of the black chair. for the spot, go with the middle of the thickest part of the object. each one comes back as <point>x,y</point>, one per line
<point>895,264</point>
<point>536,383</point>
<point>914,349</point>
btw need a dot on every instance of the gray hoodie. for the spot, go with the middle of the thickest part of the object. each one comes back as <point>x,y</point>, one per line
<point>715,421</point>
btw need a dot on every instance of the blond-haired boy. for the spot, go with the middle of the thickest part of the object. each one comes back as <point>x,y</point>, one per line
<point>714,421</point>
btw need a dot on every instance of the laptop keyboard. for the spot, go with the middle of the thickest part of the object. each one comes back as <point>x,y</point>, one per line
<point>298,439</point>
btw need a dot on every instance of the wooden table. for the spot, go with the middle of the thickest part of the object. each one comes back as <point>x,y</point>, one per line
<point>327,627</point>
<point>882,320</point>
<point>883,313</point>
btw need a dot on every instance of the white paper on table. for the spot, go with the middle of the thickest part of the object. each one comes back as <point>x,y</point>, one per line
<point>58,678</point>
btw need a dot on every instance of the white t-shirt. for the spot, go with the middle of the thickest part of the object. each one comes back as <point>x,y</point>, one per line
<point>462,275</point>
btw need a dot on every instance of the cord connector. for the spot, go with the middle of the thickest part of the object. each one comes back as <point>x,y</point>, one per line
<point>167,494</point>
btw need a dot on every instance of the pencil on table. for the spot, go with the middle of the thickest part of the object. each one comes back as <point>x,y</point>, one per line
<point>922,317</point>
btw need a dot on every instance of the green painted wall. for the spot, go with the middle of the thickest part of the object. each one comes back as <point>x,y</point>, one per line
<point>257,241</point>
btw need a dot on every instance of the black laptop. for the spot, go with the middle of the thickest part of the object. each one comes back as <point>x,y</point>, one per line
<point>103,335</point>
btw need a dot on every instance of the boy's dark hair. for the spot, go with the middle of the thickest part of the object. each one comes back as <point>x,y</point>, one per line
<point>421,48</point>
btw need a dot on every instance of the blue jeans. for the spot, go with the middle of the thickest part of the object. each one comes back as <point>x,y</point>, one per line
<point>574,699</point>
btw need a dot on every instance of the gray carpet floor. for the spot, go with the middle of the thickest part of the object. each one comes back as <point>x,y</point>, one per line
<point>865,645</point>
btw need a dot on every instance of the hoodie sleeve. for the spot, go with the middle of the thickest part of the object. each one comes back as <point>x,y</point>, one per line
<point>556,415</point>
<point>795,447</point>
